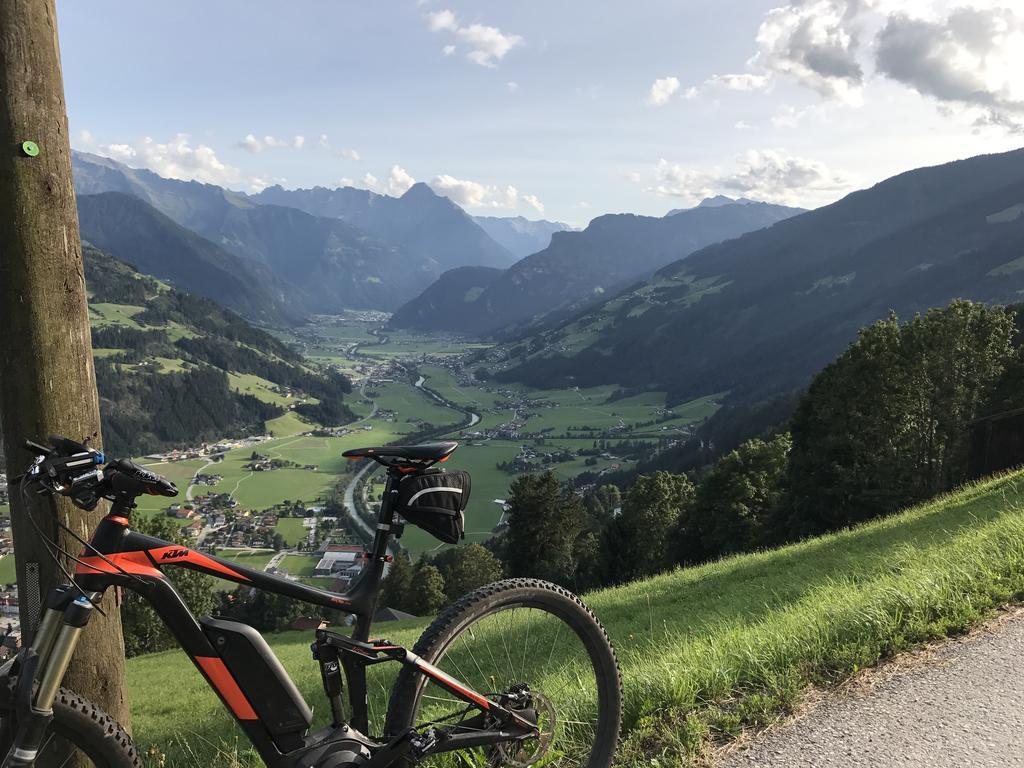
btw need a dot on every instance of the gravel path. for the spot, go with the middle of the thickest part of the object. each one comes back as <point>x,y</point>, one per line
<point>963,706</point>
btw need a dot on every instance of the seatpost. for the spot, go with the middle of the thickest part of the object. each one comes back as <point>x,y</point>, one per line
<point>378,553</point>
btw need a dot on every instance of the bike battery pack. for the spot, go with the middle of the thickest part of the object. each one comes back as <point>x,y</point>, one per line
<point>256,669</point>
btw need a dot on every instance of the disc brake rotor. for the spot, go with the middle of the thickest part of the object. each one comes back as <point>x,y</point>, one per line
<point>521,754</point>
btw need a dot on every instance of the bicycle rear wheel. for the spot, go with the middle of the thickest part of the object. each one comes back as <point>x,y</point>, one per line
<point>80,736</point>
<point>536,645</point>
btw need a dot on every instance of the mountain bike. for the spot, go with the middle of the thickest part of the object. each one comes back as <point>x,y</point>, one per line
<point>516,673</point>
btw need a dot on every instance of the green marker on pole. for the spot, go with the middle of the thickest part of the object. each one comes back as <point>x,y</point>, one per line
<point>30,148</point>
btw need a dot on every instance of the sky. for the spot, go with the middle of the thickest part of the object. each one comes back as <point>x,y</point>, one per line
<point>556,109</point>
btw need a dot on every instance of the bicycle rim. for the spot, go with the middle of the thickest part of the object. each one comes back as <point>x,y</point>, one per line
<point>535,656</point>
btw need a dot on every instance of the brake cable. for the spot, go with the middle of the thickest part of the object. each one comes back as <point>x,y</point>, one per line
<point>51,545</point>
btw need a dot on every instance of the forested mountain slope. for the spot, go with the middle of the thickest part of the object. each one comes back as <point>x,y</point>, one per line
<point>761,313</point>
<point>579,268</point>
<point>169,366</point>
<point>436,307</point>
<point>128,228</point>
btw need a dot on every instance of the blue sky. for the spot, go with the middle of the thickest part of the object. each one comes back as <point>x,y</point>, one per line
<point>565,109</point>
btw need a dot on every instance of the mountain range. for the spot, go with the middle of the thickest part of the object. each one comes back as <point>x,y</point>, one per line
<point>577,269</point>
<point>519,235</point>
<point>296,251</point>
<point>422,223</point>
<point>761,313</point>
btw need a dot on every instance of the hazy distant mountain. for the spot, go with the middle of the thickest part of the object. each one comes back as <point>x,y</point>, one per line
<point>718,201</point>
<point>519,235</point>
<point>579,268</point>
<point>762,313</point>
<point>334,264</point>
<point>133,231</point>
<point>435,308</point>
<point>421,222</point>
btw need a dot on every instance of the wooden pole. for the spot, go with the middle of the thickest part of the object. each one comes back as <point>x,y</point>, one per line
<point>47,380</point>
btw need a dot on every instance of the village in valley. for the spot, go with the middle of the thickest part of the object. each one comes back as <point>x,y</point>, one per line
<point>287,503</point>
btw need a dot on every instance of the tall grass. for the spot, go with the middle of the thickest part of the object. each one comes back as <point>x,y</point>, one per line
<point>707,652</point>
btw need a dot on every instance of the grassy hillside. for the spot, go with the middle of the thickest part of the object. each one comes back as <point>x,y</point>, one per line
<point>175,369</point>
<point>760,314</point>
<point>709,651</point>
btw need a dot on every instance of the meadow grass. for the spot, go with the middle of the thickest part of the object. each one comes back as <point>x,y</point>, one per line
<point>287,425</point>
<point>299,565</point>
<point>7,569</point>
<point>707,652</point>
<point>292,530</point>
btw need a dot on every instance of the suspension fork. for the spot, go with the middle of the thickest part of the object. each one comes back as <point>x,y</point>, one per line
<point>45,662</point>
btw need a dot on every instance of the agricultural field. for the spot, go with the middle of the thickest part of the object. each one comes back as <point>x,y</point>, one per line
<point>7,572</point>
<point>256,559</point>
<point>722,647</point>
<point>299,565</point>
<point>292,529</point>
<point>261,389</point>
<point>101,315</point>
<point>389,408</point>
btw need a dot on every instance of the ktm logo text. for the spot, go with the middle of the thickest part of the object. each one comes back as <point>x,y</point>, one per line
<point>174,553</point>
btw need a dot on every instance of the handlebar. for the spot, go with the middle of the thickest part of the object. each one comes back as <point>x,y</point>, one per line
<point>75,470</point>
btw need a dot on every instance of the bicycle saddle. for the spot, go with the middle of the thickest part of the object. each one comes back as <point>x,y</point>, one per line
<point>428,453</point>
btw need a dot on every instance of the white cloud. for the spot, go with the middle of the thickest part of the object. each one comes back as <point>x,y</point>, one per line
<point>178,158</point>
<point>254,144</point>
<point>349,154</point>
<point>741,82</point>
<point>487,45</point>
<point>967,55</point>
<point>772,175</point>
<point>816,43</point>
<point>439,20</point>
<point>972,58</point>
<point>84,138</point>
<point>512,86</point>
<point>662,90</point>
<point>534,202</point>
<point>743,125</point>
<point>472,194</point>
<point>396,184</point>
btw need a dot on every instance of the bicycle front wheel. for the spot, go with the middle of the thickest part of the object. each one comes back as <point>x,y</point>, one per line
<point>534,646</point>
<point>80,736</point>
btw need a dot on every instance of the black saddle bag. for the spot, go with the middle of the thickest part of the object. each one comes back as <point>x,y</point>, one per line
<point>434,501</point>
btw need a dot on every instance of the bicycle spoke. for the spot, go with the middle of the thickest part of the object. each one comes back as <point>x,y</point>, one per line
<point>558,682</point>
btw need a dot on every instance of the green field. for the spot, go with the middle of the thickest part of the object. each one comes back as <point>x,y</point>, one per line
<point>299,565</point>
<point>101,315</point>
<point>287,425</point>
<point>402,410</point>
<point>7,570</point>
<point>256,559</point>
<point>261,389</point>
<point>712,650</point>
<point>292,529</point>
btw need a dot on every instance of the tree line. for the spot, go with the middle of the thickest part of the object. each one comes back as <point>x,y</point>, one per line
<point>881,428</point>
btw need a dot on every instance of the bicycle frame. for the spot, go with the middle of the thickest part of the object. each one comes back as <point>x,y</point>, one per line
<point>135,561</point>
